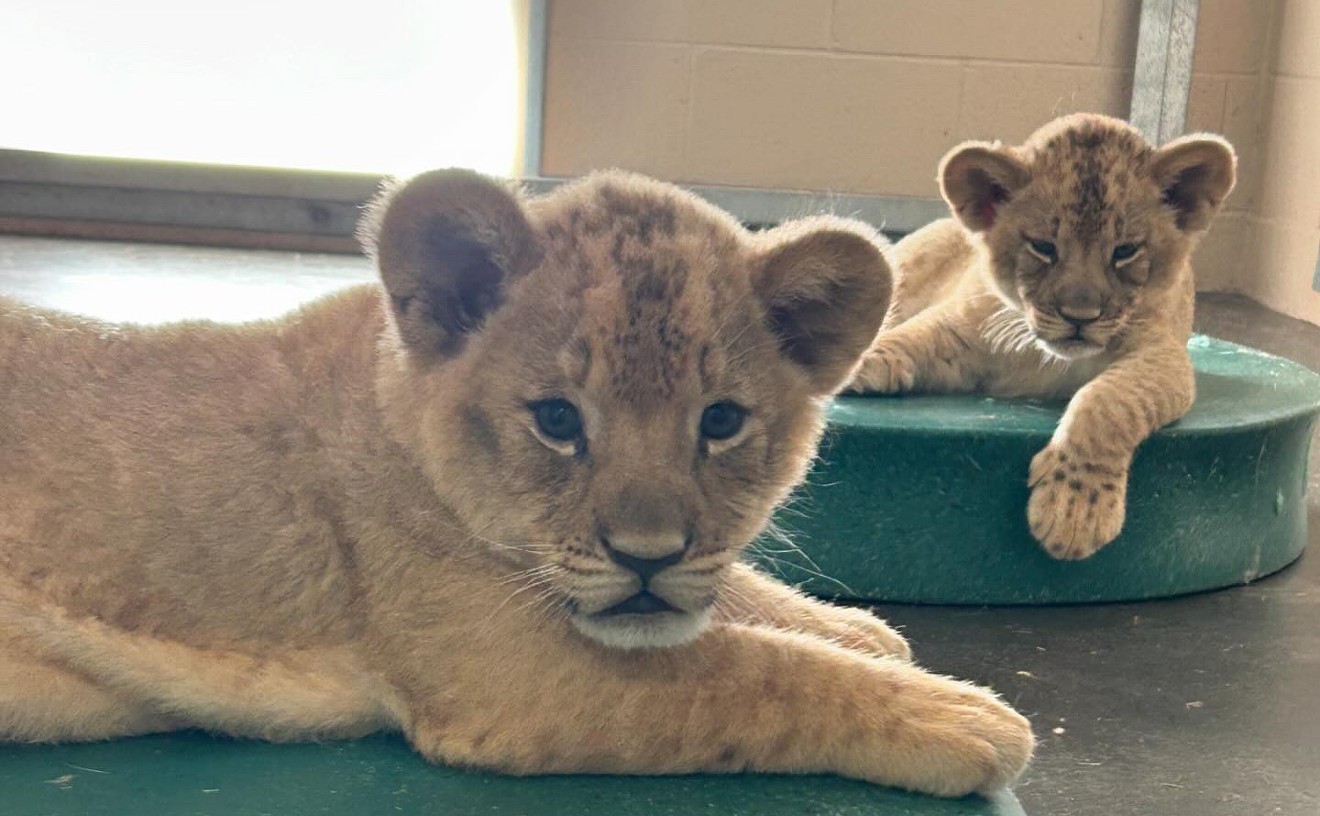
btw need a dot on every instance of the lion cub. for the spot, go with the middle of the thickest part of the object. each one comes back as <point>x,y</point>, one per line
<point>1065,272</point>
<point>497,504</point>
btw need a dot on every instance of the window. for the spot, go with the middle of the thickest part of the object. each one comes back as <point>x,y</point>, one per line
<point>390,86</point>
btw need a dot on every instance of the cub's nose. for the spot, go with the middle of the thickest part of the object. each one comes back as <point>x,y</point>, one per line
<point>1080,316</point>
<point>644,558</point>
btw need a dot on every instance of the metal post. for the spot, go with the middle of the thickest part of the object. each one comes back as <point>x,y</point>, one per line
<point>1162,79</point>
<point>534,118</point>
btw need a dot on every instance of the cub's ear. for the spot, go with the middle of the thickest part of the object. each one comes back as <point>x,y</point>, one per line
<point>977,178</point>
<point>1196,173</point>
<point>825,287</point>
<point>446,244</point>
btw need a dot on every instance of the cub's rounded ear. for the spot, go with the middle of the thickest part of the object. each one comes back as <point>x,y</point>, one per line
<point>446,244</point>
<point>1196,173</point>
<point>977,178</point>
<point>825,287</point>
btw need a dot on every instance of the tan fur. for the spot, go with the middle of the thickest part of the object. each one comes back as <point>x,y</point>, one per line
<point>977,309</point>
<point>349,519</point>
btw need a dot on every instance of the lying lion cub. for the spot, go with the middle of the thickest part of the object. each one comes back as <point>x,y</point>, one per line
<point>1065,273</point>
<point>472,507</point>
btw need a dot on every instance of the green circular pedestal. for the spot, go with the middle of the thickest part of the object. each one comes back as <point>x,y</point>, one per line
<point>193,774</point>
<point>923,499</point>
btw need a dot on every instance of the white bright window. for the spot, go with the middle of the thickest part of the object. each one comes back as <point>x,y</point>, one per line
<point>386,86</point>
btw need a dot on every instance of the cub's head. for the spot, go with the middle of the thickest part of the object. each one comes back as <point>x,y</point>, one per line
<point>613,385</point>
<point>1085,221</point>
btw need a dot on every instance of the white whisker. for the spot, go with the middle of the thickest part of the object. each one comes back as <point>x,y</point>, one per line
<point>538,579</point>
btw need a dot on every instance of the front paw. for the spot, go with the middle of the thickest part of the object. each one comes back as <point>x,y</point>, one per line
<point>964,740</point>
<point>1077,503</point>
<point>1007,736</point>
<point>999,737</point>
<point>859,630</point>
<point>885,370</point>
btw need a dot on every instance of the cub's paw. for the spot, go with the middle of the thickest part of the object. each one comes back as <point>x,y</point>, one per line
<point>861,631</point>
<point>884,370</point>
<point>967,740</point>
<point>1077,503</point>
<point>1008,736</point>
<point>1002,738</point>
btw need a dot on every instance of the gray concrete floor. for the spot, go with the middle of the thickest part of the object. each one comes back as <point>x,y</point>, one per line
<point>1205,705</point>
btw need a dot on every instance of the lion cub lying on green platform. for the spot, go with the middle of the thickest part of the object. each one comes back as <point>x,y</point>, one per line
<point>497,505</point>
<point>1065,272</point>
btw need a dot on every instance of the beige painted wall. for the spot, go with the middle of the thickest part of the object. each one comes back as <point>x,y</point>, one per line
<point>864,96</point>
<point>1258,81</point>
<point>858,96</point>
<point>1283,266</point>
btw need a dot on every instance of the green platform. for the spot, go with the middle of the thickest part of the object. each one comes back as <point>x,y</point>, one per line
<point>923,499</point>
<point>197,775</point>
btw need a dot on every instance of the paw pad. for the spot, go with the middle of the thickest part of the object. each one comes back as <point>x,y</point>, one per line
<point>1065,511</point>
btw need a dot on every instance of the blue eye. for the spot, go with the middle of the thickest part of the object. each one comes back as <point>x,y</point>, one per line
<point>1044,249</point>
<point>722,420</point>
<point>1124,251</point>
<point>558,419</point>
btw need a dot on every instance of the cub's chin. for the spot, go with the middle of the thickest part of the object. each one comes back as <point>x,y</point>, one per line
<point>1069,349</point>
<point>643,629</point>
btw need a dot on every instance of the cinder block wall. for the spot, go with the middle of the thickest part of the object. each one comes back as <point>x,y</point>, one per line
<point>859,96</point>
<point>1283,266</point>
<point>864,96</point>
<point>1257,80</point>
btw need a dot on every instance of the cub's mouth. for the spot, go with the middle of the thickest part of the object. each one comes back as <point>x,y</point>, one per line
<point>1066,339</point>
<point>1074,347</point>
<point>646,603</point>
<point>643,620</point>
<point>643,603</point>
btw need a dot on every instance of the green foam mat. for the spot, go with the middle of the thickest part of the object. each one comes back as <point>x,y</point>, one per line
<point>197,775</point>
<point>923,499</point>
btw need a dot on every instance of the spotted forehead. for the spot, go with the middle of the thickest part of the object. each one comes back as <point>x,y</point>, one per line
<point>1097,172</point>
<point>650,266</point>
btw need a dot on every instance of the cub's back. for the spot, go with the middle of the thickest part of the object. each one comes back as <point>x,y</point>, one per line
<point>68,380</point>
<point>163,455</point>
<point>930,266</point>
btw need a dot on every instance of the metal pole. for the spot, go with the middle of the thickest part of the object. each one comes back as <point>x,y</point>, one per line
<point>1162,78</point>
<point>534,118</point>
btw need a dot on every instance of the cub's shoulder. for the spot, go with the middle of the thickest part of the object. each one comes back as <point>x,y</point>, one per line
<point>937,244</point>
<point>930,266</point>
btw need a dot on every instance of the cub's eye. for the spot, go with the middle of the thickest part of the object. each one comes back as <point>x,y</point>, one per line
<point>722,420</point>
<point>1124,252</point>
<point>1044,250</point>
<point>558,419</point>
